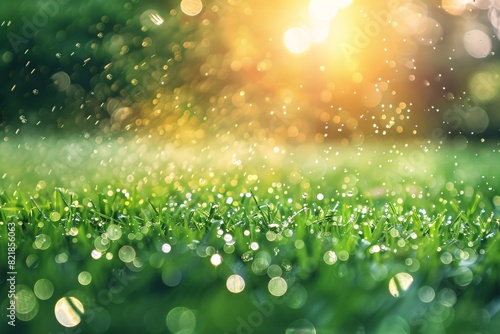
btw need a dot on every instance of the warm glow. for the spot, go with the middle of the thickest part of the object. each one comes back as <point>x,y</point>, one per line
<point>323,10</point>
<point>297,40</point>
<point>321,14</point>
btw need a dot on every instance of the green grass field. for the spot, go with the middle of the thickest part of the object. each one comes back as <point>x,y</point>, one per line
<point>132,236</point>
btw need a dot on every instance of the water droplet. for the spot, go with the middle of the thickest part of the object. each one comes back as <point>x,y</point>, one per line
<point>247,256</point>
<point>54,216</point>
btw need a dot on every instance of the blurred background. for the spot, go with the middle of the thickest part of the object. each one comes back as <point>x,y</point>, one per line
<point>283,71</point>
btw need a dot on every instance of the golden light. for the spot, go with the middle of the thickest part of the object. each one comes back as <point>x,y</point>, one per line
<point>321,14</point>
<point>323,10</point>
<point>343,3</point>
<point>191,7</point>
<point>297,40</point>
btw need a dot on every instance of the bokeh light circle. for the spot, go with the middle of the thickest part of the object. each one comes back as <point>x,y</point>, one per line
<point>477,43</point>
<point>399,283</point>
<point>181,320</point>
<point>301,326</point>
<point>43,289</point>
<point>235,283</point>
<point>191,7</point>
<point>68,311</point>
<point>126,254</point>
<point>297,40</point>
<point>277,286</point>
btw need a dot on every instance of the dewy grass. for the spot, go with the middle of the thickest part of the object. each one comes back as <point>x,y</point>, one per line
<point>251,240</point>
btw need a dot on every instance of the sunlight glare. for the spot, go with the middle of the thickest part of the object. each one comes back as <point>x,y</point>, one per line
<point>297,40</point>
<point>323,10</point>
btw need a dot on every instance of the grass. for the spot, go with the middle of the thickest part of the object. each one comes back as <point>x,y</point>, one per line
<point>378,239</point>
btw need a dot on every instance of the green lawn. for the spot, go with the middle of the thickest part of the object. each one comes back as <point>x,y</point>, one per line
<point>240,238</point>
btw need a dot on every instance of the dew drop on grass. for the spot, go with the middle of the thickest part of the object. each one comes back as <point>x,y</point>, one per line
<point>247,256</point>
<point>54,216</point>
<point>235,283</point>
<point>84,278</point>
<point>277,286</point>
<point>126,254</point>
<point>68,311</point>
<point>43,289</point>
